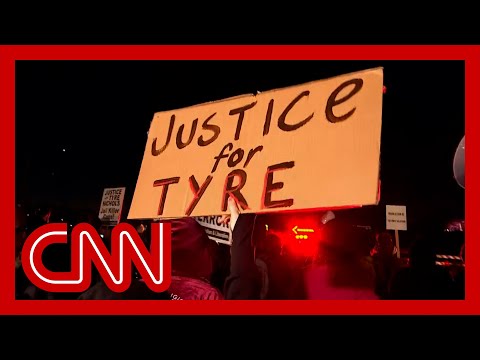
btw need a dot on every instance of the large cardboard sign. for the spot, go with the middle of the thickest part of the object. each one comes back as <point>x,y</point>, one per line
<point>314,145</point>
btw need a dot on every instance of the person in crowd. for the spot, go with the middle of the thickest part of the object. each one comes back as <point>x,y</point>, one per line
<point>385,261</point>
<point>99,290</point>
<point>192,268</point>
<point>280,278</point>
<point>341,270</point>
<point>192,262</point>
<point>244,281</point>
<point>422,279</point>
<point>263,270</point>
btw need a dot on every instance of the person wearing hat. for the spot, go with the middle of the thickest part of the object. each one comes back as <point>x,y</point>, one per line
<point>192,262</point>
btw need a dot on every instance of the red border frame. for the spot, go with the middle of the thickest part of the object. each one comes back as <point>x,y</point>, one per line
<point>8,54</point>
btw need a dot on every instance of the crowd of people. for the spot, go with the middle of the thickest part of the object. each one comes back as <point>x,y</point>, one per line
<point>349,263</point>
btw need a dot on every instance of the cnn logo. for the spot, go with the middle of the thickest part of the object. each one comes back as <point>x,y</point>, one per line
<point>87,248</point>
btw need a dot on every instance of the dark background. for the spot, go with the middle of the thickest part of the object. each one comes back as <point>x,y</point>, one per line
<point>100,111</point>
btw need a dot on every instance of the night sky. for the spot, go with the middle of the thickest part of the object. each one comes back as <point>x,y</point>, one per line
<point>100,112</point>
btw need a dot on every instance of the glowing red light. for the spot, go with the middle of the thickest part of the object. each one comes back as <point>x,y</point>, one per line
<point>302,234</point>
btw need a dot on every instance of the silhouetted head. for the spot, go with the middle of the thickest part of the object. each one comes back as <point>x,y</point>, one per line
<point>192,250</point>
<point>342,240</point>
<point>270,246</point>
<point>423,250</point>
<point>384,244</point>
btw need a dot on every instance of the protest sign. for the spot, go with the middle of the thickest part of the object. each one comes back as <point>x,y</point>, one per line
<point>315,145</point>
<point>215,230</point>
<point>111,205</point>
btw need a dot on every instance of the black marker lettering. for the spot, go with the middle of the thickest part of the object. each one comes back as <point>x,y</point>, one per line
<point>332,101</point>
<point>281,120</point>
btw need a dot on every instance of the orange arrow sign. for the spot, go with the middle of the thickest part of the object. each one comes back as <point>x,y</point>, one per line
<point>295,229</point>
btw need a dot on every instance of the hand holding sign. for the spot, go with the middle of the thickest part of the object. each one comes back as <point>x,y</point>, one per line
<point>234,210</point>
